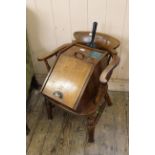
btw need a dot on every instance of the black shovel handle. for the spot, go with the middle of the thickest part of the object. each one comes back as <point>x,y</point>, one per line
<point>91,44</point>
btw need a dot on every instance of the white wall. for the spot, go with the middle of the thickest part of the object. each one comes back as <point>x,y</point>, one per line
<point>51,23</point>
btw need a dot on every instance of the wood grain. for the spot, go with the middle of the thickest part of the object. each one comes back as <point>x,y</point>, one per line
<point>39,136</point>
<point>53,135</point>
<point>79,136</point>
<point>34,116</point>
<point>120,122</point>
<point>66,133</point>
<point>68,79</point>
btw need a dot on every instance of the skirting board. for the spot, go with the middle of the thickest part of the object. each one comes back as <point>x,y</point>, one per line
<point>114,84</point>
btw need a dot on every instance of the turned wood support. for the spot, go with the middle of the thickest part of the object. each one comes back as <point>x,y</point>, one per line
<point>91,128</point>
<point>49,108</point>
<point>108,100</point>
<point>47,65</point>
<point>92,121</point>
<point>99,111</point>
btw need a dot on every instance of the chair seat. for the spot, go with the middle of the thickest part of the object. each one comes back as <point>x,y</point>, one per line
<point>91,107</point>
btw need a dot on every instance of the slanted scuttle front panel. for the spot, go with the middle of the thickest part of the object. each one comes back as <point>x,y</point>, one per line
<point>67,80</point>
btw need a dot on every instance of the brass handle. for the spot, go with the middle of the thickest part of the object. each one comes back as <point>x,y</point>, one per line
<point>58,94</point>
<point>79,55</point>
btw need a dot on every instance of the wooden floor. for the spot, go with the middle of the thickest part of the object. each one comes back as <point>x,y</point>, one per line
<point>66,134</point>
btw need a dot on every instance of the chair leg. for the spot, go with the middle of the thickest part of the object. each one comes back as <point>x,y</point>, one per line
<point>49,108</point>
<point>91,128</point>
<point>92,121</point>
<point>107,97</point>
<point>34,83</point>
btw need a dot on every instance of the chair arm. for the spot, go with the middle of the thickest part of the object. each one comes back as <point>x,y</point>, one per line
<point>112,51</point>
<point>46,56</point>
<point>105,75</point>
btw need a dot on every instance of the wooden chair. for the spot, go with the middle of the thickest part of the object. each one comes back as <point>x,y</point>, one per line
<point>94,109</point>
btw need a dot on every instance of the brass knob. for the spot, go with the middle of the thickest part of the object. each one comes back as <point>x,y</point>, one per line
<point>58,94</point>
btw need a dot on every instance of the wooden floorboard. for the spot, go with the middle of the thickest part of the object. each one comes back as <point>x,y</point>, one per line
<point>39,136</point>
<point>66,134</point>
<point>120,125</point>
<point>34,114</point>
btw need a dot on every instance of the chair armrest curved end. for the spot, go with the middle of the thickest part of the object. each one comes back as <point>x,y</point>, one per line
<point>103,80</point>
<point>104,77</point>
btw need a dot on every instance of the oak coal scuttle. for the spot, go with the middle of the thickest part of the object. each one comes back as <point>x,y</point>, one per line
<point>78,81</point>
